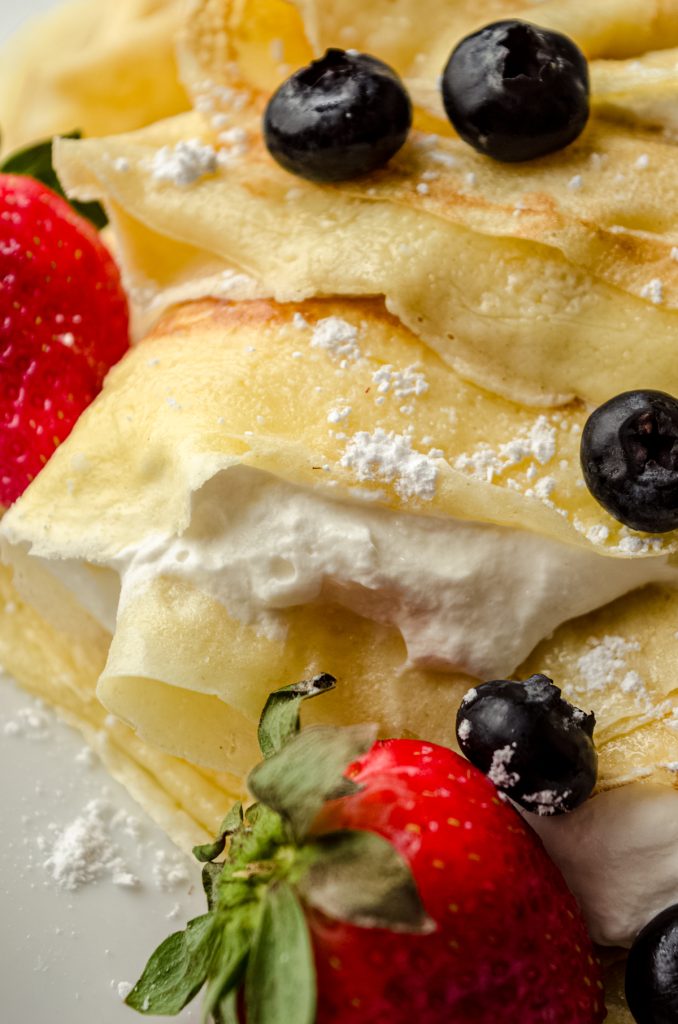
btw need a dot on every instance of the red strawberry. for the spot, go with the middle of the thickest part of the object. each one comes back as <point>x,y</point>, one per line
<point>511,944</point>
<point>401,890</point>
<point>63,324</point>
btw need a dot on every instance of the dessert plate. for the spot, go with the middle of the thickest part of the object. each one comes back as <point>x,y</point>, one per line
<point>68,955</point>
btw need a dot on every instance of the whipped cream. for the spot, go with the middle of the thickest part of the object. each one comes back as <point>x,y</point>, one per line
<point>619,855</point>
<point>465,596</point>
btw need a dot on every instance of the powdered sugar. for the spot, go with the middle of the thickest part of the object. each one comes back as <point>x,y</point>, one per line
<point>84,851</point>
<point>338,338</point>
<point>464,729</point>
<point>604,664</point>
<point>631,544</point>
<point>32,723</point>
<point>596,534</point>
<point>390,458</point>
<point>300,323</point>
<point>169,870</point>
<point>546,802</point>
<point>339,414</point>
<point>184,163</point>
<point>499,769</point>
<point>400,383</point>
<point>538,443</point>
<point>654,291</point>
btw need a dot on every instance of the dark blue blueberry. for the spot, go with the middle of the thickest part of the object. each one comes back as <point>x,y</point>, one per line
<point>536,748</point>
<point>339,118</point>
<point>515,91</point>
<point>629,458</point>
<point>652,971</point>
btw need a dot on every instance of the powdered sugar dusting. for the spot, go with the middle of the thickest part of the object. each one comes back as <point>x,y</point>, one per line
<point>184,163</point>
<point>464,729</point>
<point>597,534</point>
<point>546,802</point>
<point>84,850</point>
<point>389,457</point>
<point>339,414</point>
<point>538,443</point>
<point>654,291</point>
<point>604,664</point>
<point>169,870</point>
<point>499,769</point>
<point>32,723</point>
<point>338,338</point>
<point>400,383</point>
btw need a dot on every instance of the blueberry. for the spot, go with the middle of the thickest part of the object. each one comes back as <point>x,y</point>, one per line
<point>534,746</point>
<point>341,117</point>
<point>652,971</point>
<point>629,458</point>
<point>515,91</point>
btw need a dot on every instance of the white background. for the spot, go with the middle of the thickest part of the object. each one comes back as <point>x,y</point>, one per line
<point>63,954</point>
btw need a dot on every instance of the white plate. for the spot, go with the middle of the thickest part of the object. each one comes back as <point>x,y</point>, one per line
<point>64,954</point>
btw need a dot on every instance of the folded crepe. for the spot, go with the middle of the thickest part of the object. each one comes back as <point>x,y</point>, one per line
<point>61,666</point>
<point>177,521</point>
<point>540,282</point>
<point>99,68</point>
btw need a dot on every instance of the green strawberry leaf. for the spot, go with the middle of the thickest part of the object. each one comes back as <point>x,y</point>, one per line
<point>229,964</point>
<point>210,877</point>
<point>280,718</point>
<point>263,831</point>
<point>178,968</point>
<point>361,878</point>
<point>36,162</point>
<point>280,986</point>
<point>298,780</point>
<point>229,825</point>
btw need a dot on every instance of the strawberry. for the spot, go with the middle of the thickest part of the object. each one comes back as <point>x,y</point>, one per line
<point>399,889</point>
<point>64,322</point>
<point>510,943</point>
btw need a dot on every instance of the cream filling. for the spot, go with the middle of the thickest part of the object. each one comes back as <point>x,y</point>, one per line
<point>465,596</point>
<point>619,855</point>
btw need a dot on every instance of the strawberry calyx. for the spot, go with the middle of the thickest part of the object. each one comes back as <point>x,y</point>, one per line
<point>36,161</point>
<point>255,935</point>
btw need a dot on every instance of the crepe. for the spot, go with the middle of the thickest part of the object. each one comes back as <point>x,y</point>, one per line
<point>538,282</point>
<point>182,668</point>
<point>97,67</point>
<point>62,667</point>
<point>254,45</point>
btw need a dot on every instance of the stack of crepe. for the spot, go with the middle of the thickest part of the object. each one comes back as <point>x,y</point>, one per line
<point>414,353</point>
